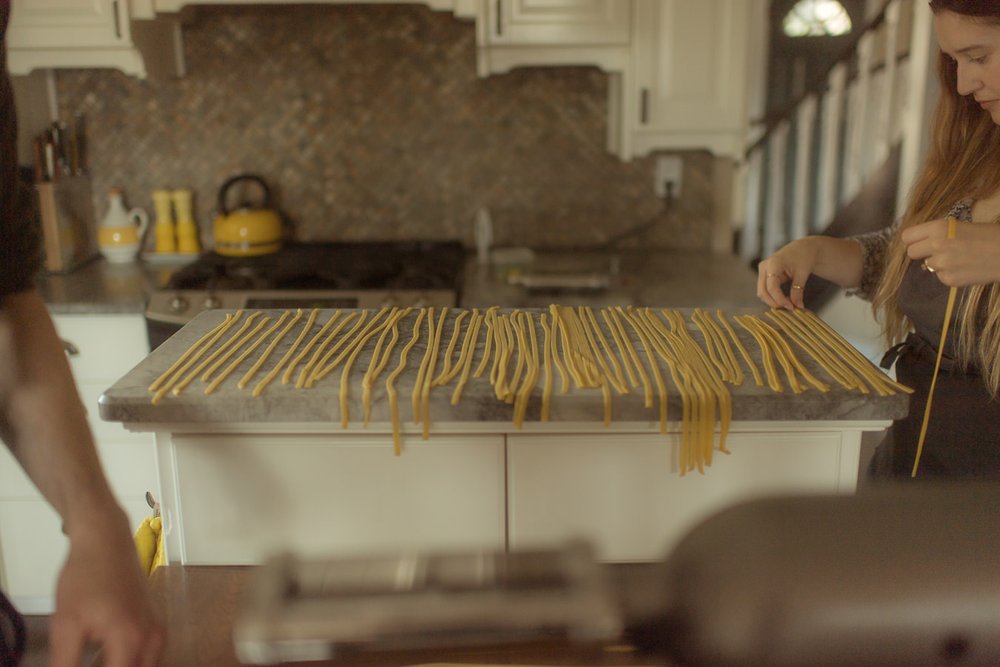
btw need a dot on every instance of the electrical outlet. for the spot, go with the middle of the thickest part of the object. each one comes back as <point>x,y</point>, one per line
<point>669,169</point>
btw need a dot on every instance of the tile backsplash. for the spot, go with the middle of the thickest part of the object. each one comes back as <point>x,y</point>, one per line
<point>369,122</point>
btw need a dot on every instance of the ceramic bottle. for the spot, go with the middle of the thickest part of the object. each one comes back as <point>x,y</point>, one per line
<point>166,238</point>
<point>187,230</point>
<point>121,230</point>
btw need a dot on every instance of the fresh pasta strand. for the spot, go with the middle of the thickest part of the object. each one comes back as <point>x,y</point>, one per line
<point>286,377</point>
<point>615,328</point>
<point>467,354</point>
<point>194,358</point>
<point>559,363</point>
<point>418,384</point>
<point>197,348</point>
<point>549,345</point>
<point>490,320</point>
<point>349,343</point>
<point>380,359</point>
<point>425,393</point>
<point>757,378</point>
<point>390,387</point>
<point>630,349</point>
<point>610,368</point>
<point>308,370</point>
<point>355,349</point>
<point>657,376</point>
<point>214,384</point>
<point>273,373</point>
<point>446,371</point>
<point>223,349</point>
<point>773,381</point>
<point>269,349</point>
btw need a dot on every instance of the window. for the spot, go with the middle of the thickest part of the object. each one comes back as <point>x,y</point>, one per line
<point>817,18</point>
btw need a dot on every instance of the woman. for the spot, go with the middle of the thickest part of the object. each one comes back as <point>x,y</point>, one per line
<point>907,270</point>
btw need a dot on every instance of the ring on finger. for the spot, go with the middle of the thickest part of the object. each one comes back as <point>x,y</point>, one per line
<point>796,286</point>
<point>771,275</point>
<point>927,267</point>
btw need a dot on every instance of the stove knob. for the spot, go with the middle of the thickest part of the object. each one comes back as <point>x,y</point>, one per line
<point>211,302</point>
<point>178,304</point>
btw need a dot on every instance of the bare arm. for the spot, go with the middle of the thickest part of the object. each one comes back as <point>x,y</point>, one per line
<point>838,260</point>
<point>101,595</point>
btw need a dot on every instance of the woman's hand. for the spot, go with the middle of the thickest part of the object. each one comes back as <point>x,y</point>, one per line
<point>971,258</point>
<point>837,260</point>
<point>794,262</point>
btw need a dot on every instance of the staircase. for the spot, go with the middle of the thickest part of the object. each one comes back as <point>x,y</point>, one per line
<point>840,159</point>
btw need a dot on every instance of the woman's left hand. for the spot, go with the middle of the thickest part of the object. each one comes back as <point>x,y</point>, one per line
<point>972,257</point>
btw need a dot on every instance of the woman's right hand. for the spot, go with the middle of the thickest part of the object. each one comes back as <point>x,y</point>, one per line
<point>793,263</point>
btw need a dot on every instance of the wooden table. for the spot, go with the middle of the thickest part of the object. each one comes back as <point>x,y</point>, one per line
<point>200,603</point>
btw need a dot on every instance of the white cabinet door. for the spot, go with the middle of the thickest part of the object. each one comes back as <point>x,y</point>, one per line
<point>690,77</point>
<point>620,491</point>
<point>32,545</point>
<point>71,33</point>
<point>241,498</point>
<point>558,22</point>
<point>68,23</point>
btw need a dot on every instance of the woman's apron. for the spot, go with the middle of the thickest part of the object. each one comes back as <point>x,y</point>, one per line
<point>963,433</point>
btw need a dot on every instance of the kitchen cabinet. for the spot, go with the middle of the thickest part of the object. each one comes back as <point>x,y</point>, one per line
<point>249,494</point>
<point>69,33</point>
<point>691,76</point>
<point>522,33</point>
<point>620,492</point>
<point>573,22</point>
<point>294,467</point>
<point>32,545</point>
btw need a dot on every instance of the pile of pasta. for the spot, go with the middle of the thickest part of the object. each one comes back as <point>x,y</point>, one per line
<point>530,355</point>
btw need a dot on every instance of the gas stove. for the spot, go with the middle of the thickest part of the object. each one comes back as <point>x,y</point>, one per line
<point>311,275</point>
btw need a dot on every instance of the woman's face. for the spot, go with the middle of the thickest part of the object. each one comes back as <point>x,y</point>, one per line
<point>974,45</point>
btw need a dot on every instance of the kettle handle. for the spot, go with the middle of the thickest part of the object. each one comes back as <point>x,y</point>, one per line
<point>223,191</point>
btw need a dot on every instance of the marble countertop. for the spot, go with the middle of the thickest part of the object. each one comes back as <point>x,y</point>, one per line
<point>667,278</point>
<point>676,279</point>
<point>129,399</point>
<point>102,287</point>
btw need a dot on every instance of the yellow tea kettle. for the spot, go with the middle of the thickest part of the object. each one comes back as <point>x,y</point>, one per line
<point>247,230</point>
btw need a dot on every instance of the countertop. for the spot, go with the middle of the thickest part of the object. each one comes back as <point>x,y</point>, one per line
<point>667,278</point>
<point>102,287</point>
<point>677,279</point>
<point>129,399</point>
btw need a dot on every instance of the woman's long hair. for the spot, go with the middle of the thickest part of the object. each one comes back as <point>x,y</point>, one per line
<point>963,161</point>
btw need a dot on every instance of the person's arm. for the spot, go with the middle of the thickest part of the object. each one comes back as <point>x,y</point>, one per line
<point>841,261</point>
<point>102,595</point>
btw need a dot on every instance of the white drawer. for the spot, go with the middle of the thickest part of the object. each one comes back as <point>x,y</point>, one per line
<point>108,346</point>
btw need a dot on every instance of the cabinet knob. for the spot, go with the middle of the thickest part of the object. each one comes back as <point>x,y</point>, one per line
<point>178,304</point>
<point>70,349</point>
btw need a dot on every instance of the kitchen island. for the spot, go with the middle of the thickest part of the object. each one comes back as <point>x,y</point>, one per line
<point>242,476</point>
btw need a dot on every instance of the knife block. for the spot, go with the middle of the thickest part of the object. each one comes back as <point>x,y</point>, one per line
<point>66,215</point>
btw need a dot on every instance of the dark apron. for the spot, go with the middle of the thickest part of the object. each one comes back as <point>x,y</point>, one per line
<point>963,433</point>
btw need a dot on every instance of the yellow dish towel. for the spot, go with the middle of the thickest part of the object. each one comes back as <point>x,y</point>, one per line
<point>149,544</point>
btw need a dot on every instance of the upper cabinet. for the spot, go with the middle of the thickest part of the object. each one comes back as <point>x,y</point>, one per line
<point>570,22</point>
<point>691,75</point>
<point>517,33</point>
<point>71,33</point>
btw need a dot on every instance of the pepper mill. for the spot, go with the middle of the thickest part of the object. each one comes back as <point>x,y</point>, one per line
<point>166,242</point>
<point>187,230</point>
